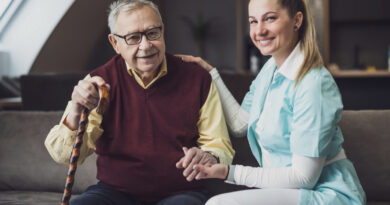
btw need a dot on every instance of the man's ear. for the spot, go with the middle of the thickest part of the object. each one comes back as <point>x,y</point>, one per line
<point>298,19</point>
<point>113,42</point>
<point>163,27</point>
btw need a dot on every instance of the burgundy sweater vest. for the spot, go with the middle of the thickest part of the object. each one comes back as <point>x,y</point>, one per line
<point>145,129</point>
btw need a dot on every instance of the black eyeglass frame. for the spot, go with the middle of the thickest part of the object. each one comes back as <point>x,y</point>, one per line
<point>142,34</point>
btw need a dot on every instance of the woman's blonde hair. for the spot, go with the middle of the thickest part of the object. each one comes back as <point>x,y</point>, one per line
<point>306,35</point>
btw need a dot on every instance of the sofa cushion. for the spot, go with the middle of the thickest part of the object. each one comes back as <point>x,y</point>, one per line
<point>30,197</point>
<point>367,145</point>
<point>25,163</point>
<point>378,203</point>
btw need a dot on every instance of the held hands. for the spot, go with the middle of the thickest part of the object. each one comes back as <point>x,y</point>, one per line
<point>198,60</point>
<point>192,157</point>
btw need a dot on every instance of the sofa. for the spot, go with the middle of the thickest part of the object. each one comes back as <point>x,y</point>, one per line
<point>29,176</point>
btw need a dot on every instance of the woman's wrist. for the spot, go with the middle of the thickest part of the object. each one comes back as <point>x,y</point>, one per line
<point>226,174</point>
<point>205,65</point>
<point>230,176</point>
<point>210,68</point>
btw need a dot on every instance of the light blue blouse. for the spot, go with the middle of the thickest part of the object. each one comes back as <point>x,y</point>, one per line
<point>302,119</point>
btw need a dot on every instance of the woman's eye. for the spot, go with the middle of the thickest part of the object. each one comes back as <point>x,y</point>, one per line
<point>252,21</point>
<point>271,18</point>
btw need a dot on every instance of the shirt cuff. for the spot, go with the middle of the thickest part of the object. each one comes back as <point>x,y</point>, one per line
<point>230,178</point>
<point>68,134</point>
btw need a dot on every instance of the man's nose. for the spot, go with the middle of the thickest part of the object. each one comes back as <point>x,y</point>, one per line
<point>145,43</point>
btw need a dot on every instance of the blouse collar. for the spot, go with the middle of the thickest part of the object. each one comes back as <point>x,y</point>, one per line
<point>292,64</point>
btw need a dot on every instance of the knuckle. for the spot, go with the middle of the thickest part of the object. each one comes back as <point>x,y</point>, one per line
<point>76,89</point>
<point>84,102</point>
<point>89,86</point>
<point>192,149</point>
<point>99,81</point>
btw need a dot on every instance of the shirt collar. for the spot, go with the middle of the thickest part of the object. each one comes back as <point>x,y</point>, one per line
<point>163,71</point>
<point>291,65</point>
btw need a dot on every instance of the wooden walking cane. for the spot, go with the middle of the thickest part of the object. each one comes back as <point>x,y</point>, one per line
<point>103,102</point>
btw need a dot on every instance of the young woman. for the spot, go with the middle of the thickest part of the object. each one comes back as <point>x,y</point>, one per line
<point>290,116</point>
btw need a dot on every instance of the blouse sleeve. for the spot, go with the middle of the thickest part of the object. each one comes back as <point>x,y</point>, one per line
<point>317,109</point>
<point>304,173</point>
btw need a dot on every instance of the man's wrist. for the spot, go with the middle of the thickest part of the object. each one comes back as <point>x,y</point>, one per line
<point>226,172</point>
<point>214,155</point>
<point>72,119</point>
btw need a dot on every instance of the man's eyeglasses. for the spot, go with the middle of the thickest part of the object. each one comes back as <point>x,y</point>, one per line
<point>136,37</point>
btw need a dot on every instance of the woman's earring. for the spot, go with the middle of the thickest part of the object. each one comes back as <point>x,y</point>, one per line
<point>295,28</point>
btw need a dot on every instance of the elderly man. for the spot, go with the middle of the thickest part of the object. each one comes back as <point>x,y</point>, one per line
<point>164,116</point>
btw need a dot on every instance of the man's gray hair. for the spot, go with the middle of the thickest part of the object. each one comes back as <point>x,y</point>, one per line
<point>125,6</point>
